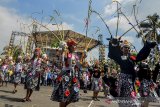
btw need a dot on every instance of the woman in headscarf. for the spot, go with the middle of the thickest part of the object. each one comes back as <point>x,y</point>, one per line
<point>33,74</point>
<point>66,87</point>
<point>121,54</point>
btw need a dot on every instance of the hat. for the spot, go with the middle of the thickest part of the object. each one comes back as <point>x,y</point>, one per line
<point>71,42</point>
<point>125,43</point>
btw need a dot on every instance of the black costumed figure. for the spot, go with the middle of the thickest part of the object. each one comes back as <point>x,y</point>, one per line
<point>147,84</point>
<point>66,86</point>
<point>121,55</point>
<point>156,77</point>
<point>33,74</point>
<point>111,84</point>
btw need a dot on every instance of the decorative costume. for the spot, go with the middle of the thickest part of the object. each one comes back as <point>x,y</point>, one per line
<point>127,63</point>
<point>85,77</point>
<point>33,74</point>
<point>96,80</point>
<point>32,79</point>
<point>4,73</point>
<point>66,87</point>
<point>147,86</point>
<point>17,73</point>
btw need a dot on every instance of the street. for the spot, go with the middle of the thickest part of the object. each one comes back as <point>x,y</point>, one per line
<point>42,98</point>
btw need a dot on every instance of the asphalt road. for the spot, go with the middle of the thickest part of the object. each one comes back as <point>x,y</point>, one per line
<point>42,99</point>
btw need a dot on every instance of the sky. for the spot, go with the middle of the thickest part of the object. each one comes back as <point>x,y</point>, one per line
<point>18,15</point>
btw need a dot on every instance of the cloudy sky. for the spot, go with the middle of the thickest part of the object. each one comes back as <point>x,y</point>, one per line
<point>17,15</point>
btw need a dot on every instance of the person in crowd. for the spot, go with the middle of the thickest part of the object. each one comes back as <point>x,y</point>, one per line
<point>90,72</point>
<point>156,72</point>
<point>4,72</point>
<point>111,84</point>
<point>32,77</point>
<point>96,81</point>
<point>26,64</point>
<point>158,88</point>
<point>148,86</point>
<point>45,75</point>
<point>104,74</point>
<point>55,72</point>
<point>11,67</point>
<point>17,73</point>
<point>49,78</point>
<point>85,76</point>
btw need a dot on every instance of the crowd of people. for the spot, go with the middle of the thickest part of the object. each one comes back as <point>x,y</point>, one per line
<point>134,80</point>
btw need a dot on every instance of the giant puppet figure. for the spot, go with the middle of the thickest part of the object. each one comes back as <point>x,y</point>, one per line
<point>121,54</point>
<point>66,87</point>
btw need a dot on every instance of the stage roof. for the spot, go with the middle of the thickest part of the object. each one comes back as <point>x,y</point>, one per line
<point>47,38</point>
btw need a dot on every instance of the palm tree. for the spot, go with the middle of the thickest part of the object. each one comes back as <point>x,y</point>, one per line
<point>149,28</point>
<point>150,31</point>
<point>13,51</point>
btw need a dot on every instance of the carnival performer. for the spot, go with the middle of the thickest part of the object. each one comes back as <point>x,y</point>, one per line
<point>111,83</point>
<point>96,81</point>
<point>104,75</point>
<point>156,77</point>
<point>156,72</point>
<point>33,74</point>
<point>85,76</point>
<point>55,72</point>
<point>10,68</point>
<point>4,72</point>
<point>66,88</point>
<point>144,75</point>
<point>45,68</point>
<point>17,73</point>
<point>26,63</point>
<point>121,54</point>
<point>26,66</point>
